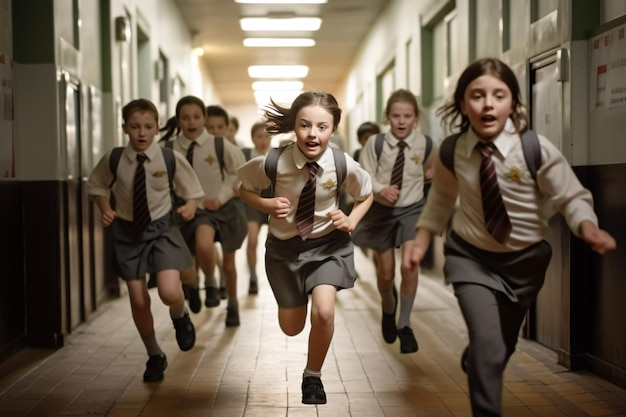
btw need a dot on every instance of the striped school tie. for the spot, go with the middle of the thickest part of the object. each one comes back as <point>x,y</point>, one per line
<point>190,152</point>
<point>306,205</point>
<point>398,166</point>
<point>496,217</point>
<point>141,212</point>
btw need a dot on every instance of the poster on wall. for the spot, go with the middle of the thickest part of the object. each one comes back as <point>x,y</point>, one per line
<point>608,69</point>
<point>7,168</point>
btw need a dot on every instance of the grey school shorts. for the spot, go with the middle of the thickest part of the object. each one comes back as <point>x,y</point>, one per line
<point>294,267</point>
<point>159,247</point>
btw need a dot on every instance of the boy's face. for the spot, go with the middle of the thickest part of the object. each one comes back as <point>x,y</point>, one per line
<point>314,127</point>
<point>141,128</point>
<point>230,132</point>
<point>261,140</point>
<point>402,119</point>
<point>216,125</point>
<point>487,103</point>
<point>191,121</point>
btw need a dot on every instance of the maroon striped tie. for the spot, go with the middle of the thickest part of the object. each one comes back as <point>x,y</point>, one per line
<point>496,217</point>
<point>190,152</point>
<point>398,166</point>
<point>306,205</point>
<point>141,212</point>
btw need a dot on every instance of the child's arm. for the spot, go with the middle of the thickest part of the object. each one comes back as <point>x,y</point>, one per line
<point>108,214</point>
<point>277,207</point>
<point>188,210</point>
<point>599,240</point>
<point>348,223</point>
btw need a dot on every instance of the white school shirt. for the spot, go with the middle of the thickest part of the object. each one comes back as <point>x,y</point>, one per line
<point>292,174</point>
<point>185,182</point>
<point>207,166</point>
<point>412,189</point>
<point>529,208</point>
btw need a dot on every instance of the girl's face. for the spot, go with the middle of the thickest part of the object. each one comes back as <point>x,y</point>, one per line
<point>141,128</point>
<point>191,121</point>
<point>216,125</point>
<point>402,118</point>
<point>261,140</point>
<point>487,103</point>
<point>314,127</point>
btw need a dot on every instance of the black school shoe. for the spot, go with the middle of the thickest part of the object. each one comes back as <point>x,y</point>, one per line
<point>155,367</point>
<point>408,343</point>
<point>390,331</point>
<point>185,332</point>
<point>212,297</point>
<point>193,295</point>
<point>464,360</point>
<point>232,317</point>
<point>313,391</point>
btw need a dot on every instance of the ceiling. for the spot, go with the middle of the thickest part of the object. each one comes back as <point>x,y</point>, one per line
<point>215,26</point>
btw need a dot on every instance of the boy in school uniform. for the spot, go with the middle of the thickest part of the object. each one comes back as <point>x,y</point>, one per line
<point>145,239</point>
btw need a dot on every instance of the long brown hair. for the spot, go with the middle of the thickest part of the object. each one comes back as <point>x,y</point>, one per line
<point>281,119</point>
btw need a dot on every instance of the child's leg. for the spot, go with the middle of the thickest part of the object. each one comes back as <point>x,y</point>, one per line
<point>408,289</point>
<point>205,253</point>
<point>385,273</point>
<point>142,315</point>
<point>487,352</point>
<point>251,252</point>
<point>292,319</point>
<point>322,325</point>
<point>171,293</point>
<point>230,272</point>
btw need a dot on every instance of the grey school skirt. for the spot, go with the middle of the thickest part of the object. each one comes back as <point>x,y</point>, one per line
<point>229,223</point>
<point>385,227</point>
<point>519,275</point>
<point>257,216</point>
<point>295,266</point>
<point>159,247</point>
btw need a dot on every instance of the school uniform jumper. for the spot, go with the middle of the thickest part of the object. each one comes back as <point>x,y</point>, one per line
<point>494,282</point>
<point>385,225</point>
<point>295,265</point>
<point>229,221</point>
<point>161,245</point>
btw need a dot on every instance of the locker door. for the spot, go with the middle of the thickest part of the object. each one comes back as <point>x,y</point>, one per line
<point>546,118</point>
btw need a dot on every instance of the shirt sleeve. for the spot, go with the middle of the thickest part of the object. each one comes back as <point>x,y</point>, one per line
<point>186,182</point>
<point>252,175</point>
<point>358,182</point>
<point>100,179</point>
<point>233,159</point>
<point>369,162</point>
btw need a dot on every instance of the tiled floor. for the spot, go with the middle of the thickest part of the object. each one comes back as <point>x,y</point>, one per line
<point>255,370</point>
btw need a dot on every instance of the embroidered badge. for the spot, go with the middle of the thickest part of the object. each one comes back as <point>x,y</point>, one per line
<point>416,158</point>
<point>329,184</point>
<point>210,159</point>
<point>159,174</point>
<point>515,174</point>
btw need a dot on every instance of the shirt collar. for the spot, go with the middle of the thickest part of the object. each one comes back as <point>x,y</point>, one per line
<point>185,142</point>
<point>152,149</point>
<point>409,140</point>
<point>503,142</point>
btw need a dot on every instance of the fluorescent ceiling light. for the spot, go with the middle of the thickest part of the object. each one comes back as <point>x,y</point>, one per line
<point>277,85</point>
<point>280,97</point>
<point>297,24</point>
<point>278,42</point>
<point>282,1</point>
<point>278,71</point>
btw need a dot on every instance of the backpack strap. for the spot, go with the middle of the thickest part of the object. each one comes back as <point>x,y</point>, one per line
<point>532,152</point>
<point>170,163</point>
<point>247,152</point>
<point>340,165</point>
<point>114,161</point>
<point>271,162</point>
<point>219,150</point>
<point>378,145</point>
<point>429,147</point>
<point>446,151</point>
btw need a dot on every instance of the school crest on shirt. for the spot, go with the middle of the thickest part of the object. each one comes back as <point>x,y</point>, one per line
<point>416,158</point>
<point>210,159</point>
<point>515,174</point>
<point>329,184</point>
<point>159,174</point>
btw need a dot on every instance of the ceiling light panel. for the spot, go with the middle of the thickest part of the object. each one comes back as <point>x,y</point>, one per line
<point>277,85</point>
<point>278,71</point>
<point>268,24</point>
<point>281,1</point>
<point>278,42</point>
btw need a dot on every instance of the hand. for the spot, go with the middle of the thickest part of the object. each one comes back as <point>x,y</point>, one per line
<point>599,240</point>
<point>212,204</point>
<point>340,220</point>
<point>390,193</point>
<point>414,250</point>
<point>188,210</point>
<point>107,217</point>
<point>278,207</point>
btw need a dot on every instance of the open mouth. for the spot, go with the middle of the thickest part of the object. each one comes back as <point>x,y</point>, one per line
<point>488,118</point>
<point>312,145</point>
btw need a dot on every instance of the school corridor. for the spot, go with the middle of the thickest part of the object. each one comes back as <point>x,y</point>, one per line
<point>255,370</point>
